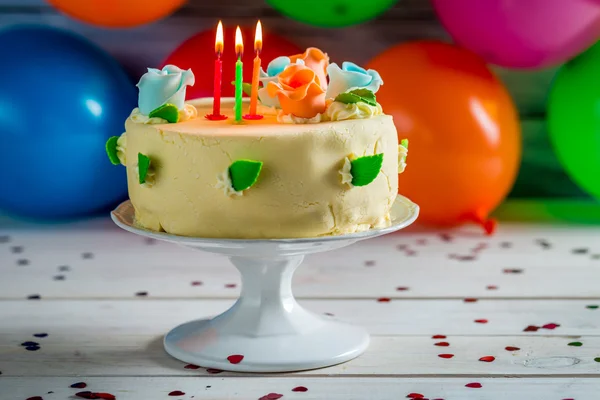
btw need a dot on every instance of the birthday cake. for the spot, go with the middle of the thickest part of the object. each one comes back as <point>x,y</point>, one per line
<point>317,157</point>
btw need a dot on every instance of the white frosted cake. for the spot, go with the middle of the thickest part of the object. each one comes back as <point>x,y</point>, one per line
<point>282,176</point>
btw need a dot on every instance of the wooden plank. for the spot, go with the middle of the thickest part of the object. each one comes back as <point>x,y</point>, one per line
<point>124,338</point>
<point>95,259</point>
<point>217,388</point>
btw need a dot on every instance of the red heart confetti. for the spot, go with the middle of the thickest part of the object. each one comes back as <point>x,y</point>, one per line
<point>568,399</point>
<point>442,344</point>
<point>531,328</point>
<point>550,326</point>
<point>214,370</point>
<point>481,321</point>
<point>384,300</point>
<point>470,300</point>
<point>438,337</point>
<point>576,344</point>
<point>487,358</point>
<point>35,398</point>
<point>271,396</point>
<point>491,287</point>
<point>196,283</point>
<point>414,396</point>
<point>79,385</point>
<point>191,366</point>
<point>369,263</point>
<point>402,288</point>
<point>176,393</point>
<point>473,385</point>
<point>230,285</point>
<point>512,348</point>
<point>445,355</point>
<point>512,270</point>
<point>300,389</point>
<point>95,395</point>
<point>235,358</point>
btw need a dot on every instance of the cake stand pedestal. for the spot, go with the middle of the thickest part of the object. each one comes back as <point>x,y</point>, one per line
<point>266,330</point>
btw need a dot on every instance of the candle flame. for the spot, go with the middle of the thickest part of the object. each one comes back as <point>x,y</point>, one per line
<point>239,43</point>
<point>258,38</point>
<point>219,39</point>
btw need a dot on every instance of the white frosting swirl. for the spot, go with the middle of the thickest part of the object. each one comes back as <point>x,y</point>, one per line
<point>121,148</point>
<point>402,154</point>
<point>340,111</point>
<point>186,113</point>
<point>346,172</point>
<point>224,182</point>
<point>292,119</point>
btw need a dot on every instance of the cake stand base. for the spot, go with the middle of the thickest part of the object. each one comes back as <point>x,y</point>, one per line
<point>266,330</point>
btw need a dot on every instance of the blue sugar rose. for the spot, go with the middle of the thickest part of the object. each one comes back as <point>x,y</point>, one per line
<point>158,87</point>
<point>274,68</point>
<point>351,76</point>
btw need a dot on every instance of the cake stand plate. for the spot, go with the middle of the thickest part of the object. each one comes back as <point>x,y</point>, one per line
<point>266,330</point>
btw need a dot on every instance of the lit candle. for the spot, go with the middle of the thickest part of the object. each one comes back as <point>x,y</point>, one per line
<point>255,74</point>
<point>239,51</point>
<point>216,114</point>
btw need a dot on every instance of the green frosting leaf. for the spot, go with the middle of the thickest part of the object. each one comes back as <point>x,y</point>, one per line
<point>244,173</point>
<point>111,150</point>
<point>246,88</point>
<point>357,95</point>
<point>143,166</point>
<point>364,170</point>
<point>168,111</point>
<point>404,142</point>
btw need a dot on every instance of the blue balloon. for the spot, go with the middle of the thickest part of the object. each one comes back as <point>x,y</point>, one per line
<point>61,98</point>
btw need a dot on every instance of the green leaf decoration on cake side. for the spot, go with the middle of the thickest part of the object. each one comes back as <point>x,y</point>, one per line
<point>168,111</point>
<point>246,88</point>
<point>365,169</point>
<point>356,96</point>
<point>244,173</point>
<point>111,150</point>
<point>404,142</point>
<point>143,166</point>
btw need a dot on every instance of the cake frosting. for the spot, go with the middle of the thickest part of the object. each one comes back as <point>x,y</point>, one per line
<point>323,160</point>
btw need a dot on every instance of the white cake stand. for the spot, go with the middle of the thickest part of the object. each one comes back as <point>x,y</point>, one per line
<point>266,325</point>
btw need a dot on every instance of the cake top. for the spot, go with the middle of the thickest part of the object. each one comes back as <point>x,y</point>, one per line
<point>299,89</point>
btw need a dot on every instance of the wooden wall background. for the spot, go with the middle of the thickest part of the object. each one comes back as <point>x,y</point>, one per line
<point>541,174</point>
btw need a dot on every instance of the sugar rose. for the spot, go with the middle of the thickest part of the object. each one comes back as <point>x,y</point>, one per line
<point>316,60</point>
<point>298,91</point>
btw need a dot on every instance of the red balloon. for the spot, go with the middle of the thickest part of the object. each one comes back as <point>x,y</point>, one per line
<point>198,53</point>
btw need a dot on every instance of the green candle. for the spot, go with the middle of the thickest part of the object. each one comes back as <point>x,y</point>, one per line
<point>238,90</point>
<point>239,50</point>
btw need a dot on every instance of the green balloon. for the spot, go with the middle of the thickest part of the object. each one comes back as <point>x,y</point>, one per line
<point>332,13</point>
<point>574,119</point>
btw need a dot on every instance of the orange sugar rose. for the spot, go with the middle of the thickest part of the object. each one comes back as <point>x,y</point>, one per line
<point>316,60</point>
<point>298,91</point>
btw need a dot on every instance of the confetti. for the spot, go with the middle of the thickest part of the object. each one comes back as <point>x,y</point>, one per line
<point>150,241</point>
<point>473,385</point>
<point>470,300</point>
<point>30,344</point>
<point>445,355</point>
<point>592,307</point>
<point>491,287</point>
<point>300,389</point>
<point>531,328</point>
<point>402,288</point>
<point>4,239</point>
<point>414,396</point>
<point>487,358</point>
<point>369,263</point>
<point>87,255</point>
<point>271,396</point>
<point>580,251</point>
<point>35,398</point>
<point>22,261</point>
<point>176,393</point>
<point>550,326</point>
<point>230,285</point>
<point>141,294</point>
<point>79,385</point>
<point>384,300</point>
<point>95,395</point>
<point>58,277</point>
<point>402,247</point>
<point>576,344</point>
<point>63,268</point>
<point>32,348</point>
<point>506,245</point>
<point>438,337</point>
<point>481,321</point>
<point>597,359</point>
<point>214,370</point>
<point>191,366</point>
<point>16,249</point>
<point>442,344</point>
<point>34,297</point>
<point>512,270</point>
<point>196,283</point>
<point>40,335</point>
<point>512,348</point>
<point>421,242</point>
<point>544,243</point>
<point>445,237</point>
<point>235,358</point>
<point>329,314</point>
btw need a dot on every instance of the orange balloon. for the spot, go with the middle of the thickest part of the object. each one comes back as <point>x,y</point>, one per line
<point>117,13</point>
<point>463,129</point>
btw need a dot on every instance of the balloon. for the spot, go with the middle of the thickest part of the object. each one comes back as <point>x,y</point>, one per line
<point>522,34</point>
<point>332,13</point>
<point>198,53</point>
<point>574,119</point>
<point>462,126</point>
<point>61,98</point>
<point>117,13</point>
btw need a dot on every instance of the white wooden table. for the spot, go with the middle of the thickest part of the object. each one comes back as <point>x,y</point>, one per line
<point>453,315</point>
